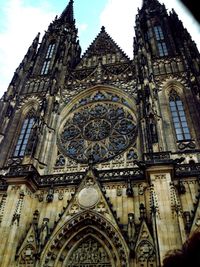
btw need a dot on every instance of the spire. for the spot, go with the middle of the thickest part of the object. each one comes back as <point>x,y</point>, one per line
<point>151,4</point>
<point>68,13</point>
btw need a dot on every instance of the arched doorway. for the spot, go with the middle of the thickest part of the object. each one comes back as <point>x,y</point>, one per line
<point>87,240</point>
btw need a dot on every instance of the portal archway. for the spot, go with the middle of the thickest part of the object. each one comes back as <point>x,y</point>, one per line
<point>86,240</point>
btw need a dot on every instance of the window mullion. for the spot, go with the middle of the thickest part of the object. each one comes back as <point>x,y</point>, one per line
<point>25,132</point>
<point>179,118</point>
<point>23,137</point>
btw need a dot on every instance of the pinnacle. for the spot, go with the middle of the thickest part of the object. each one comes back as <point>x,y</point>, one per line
<point>68,14</point>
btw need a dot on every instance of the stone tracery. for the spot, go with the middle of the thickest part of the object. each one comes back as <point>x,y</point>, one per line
<point>101,126</point>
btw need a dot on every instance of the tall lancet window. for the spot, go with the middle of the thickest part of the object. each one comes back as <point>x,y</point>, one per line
<point>179,117</point>
<point>24,136</point>
<point>48,57</point>
<point>162,47</point>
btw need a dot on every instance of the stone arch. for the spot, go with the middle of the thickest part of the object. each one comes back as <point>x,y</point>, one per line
<point>27,104</point>
<point>26,110</point>
<point>87,224</point>
<point>179,87</point>
<point>177,82</point>
<point>173,85</point>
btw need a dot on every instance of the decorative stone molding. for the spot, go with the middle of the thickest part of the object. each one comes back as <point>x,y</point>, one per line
<point>2,206</point>
<point>160,177</point>
<point>18,209</point>
<point>85,224</point>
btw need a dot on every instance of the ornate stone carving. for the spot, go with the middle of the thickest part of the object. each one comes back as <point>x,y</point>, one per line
<point>60,161</point>
<point>175,201</point>
<point>89,253</point>
<point>27,256</point>
<point>154,199</point>
<point>17,213</point>
<point>60,195</point>
<point>145,252</point>
<point>2,206</point>
<point>101,207</point>
<point>74,209</point>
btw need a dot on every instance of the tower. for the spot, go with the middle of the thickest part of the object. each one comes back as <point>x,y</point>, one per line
<point>100,153</point>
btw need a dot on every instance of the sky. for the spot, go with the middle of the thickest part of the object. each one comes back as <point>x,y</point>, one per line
<point>21,20</point>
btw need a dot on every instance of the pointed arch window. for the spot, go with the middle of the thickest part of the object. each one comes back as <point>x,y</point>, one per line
<point>48,57</point>
<point>162,47</point>
<point>158,33</point>
<point>179,117</point>
<point>24,136</point>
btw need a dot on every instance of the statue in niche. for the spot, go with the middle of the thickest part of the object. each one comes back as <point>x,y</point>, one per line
<point>153,129</point>
<point>50,194</point>
<point>131,226</point>
<point>43,106</point>
<point>55,106</point>
<point>44,231</point>
<point>9,110</point>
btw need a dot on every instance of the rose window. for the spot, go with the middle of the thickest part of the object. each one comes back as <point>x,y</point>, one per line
<point>100,130</point>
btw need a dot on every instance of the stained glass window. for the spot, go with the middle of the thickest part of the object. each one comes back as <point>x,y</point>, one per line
<point>99,128</point>
<point>162,47</point>
<point>24,137</point>
<point>47,61</point>
<point>159,33</point>
<point>179,117</point>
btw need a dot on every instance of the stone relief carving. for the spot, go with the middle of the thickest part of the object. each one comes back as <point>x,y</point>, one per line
<point>145,252</point>
<point>89,253</point>
<point>27,257</point>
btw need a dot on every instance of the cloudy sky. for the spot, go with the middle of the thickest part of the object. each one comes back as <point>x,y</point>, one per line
<point>21,20</point>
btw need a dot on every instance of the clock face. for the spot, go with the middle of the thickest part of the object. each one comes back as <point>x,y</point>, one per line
<point>100,129</point>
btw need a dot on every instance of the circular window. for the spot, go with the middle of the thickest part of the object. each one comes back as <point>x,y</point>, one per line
<point>100,129</point>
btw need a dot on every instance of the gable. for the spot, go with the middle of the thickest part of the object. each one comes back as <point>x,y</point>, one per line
<point>103,49</point>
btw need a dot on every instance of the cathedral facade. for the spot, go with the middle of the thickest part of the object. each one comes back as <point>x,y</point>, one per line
<point>100,153</point>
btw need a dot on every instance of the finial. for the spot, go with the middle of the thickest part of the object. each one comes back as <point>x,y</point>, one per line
<point>103,28</point>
